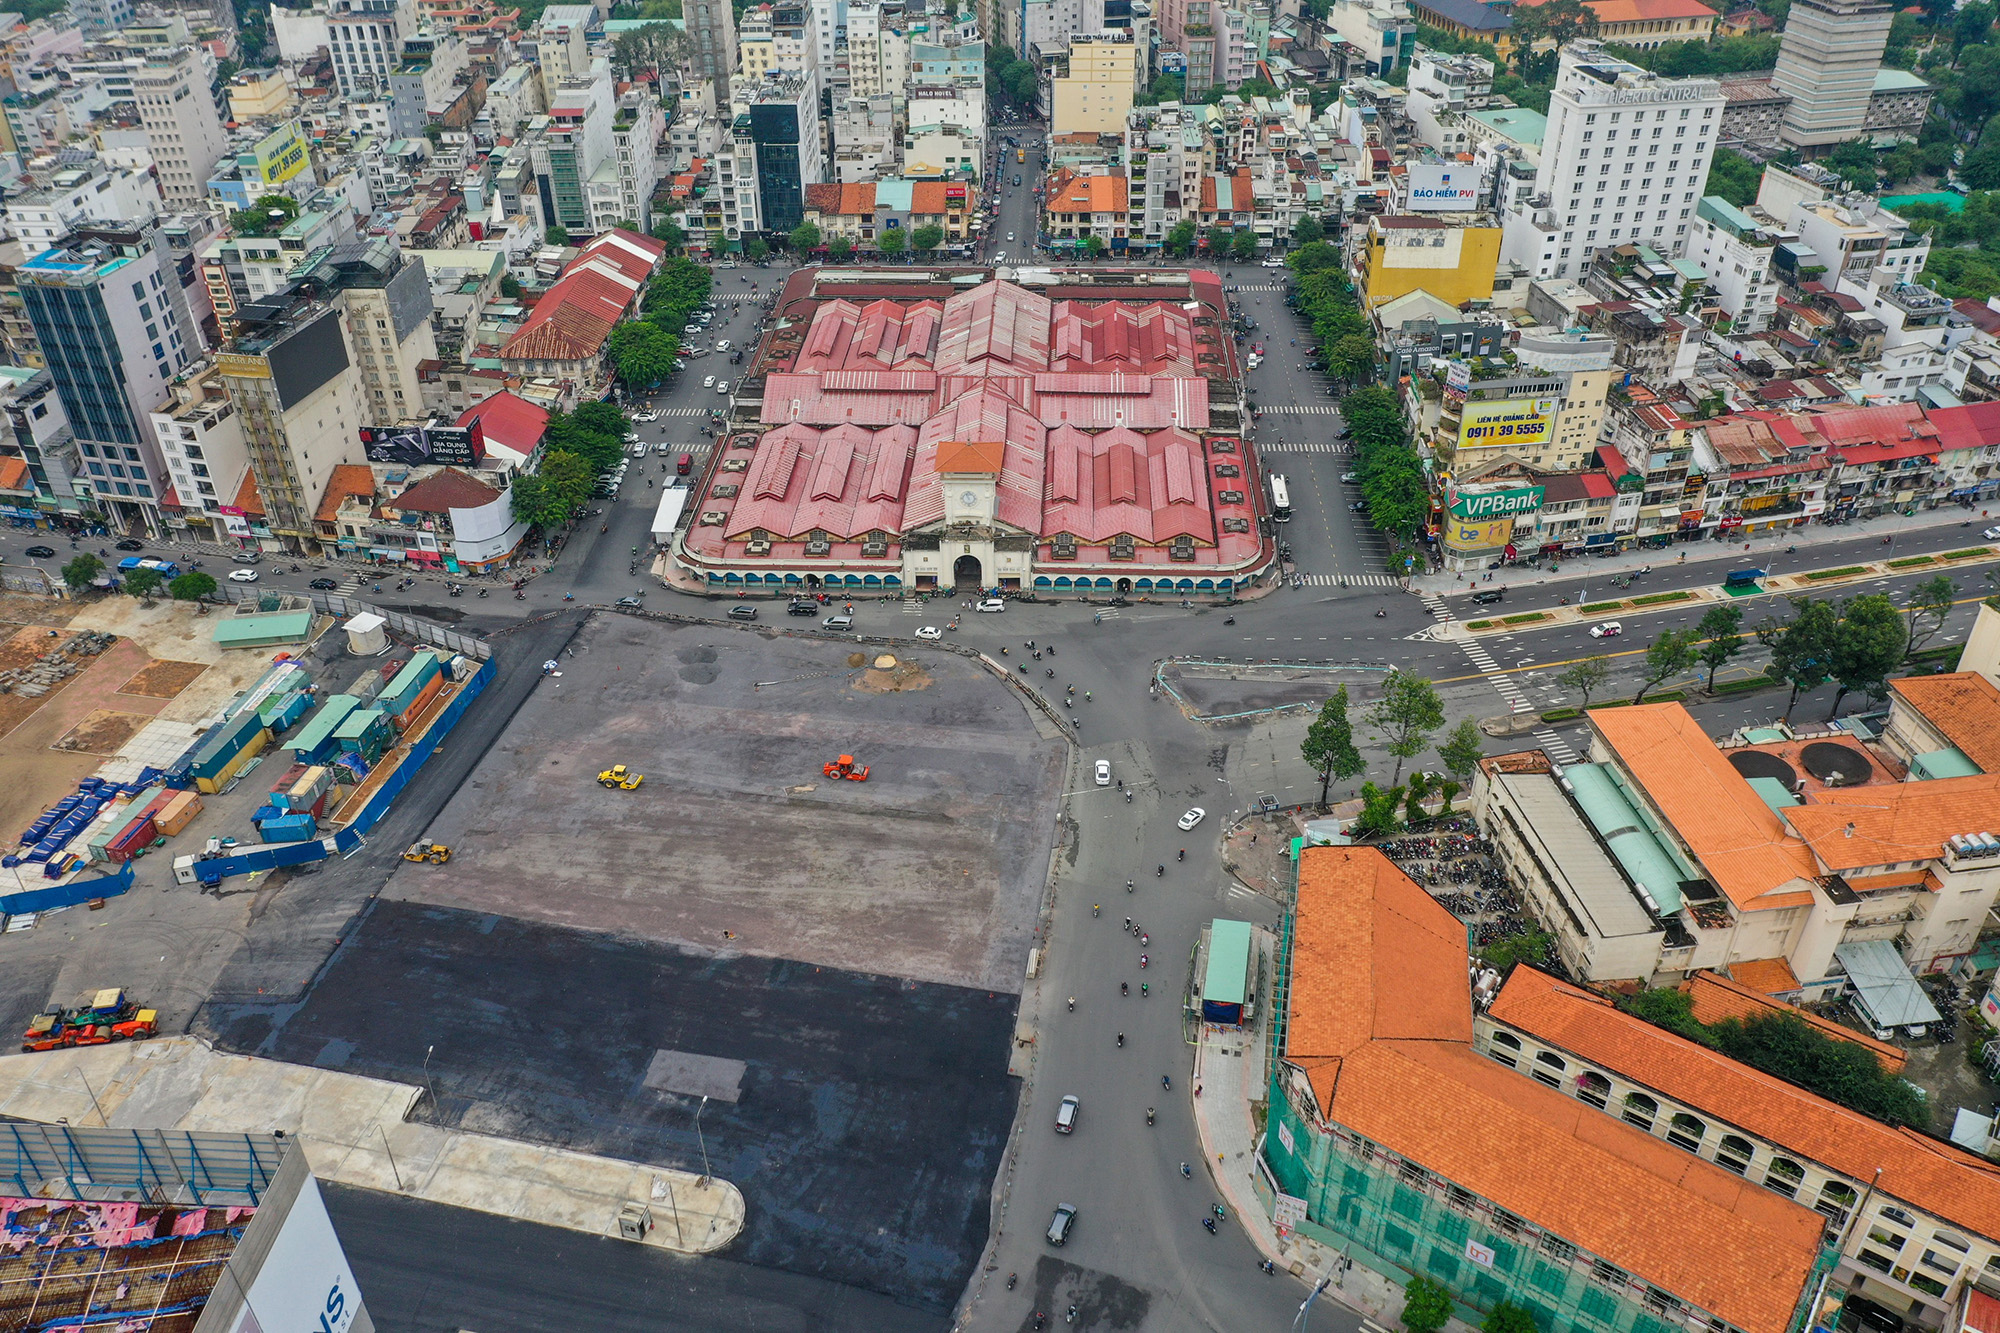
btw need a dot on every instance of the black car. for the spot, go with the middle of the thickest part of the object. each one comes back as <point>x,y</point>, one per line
<point>1488,596</point>
<point>802,609</point>
<point>41,552</point>
<point>1358,507</point>
<point>322,585</point>
<point>131,544</point>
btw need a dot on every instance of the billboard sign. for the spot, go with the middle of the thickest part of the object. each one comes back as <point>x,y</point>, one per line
<point>304,1282</point>
<point>1470,536</point>
<point>1485,506</point>
<point>460,446</point>
<point>1507,424</point>
<point>1442,189</point>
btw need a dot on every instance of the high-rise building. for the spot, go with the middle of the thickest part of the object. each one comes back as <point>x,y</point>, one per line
<point>878,49</point>
<point>183,129</point>
<point>99,17</point>
<point>574,142</point>
<point>1096,95</point>
<point>1827,60</point>
<point>1624,159</point>
<point>774,155</point>
<point>113,326</point>
<point>711,27</point>
<point>829,21</point>
<point>365,39</point>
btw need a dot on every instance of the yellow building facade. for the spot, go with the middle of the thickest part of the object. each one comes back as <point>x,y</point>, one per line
<point>1407,254</point>
<point>1096,96</point>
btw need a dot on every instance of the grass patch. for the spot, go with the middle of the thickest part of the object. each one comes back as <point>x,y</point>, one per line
<point>1912,561</point>
<point>1596,607</point>
<point>1745,686</point>
<point>1847,571</point>
<point>1967,554</point>
<point>1660,598</point>
<point>1479,624</point>
<point>1667,697</point>
<point>1562,714</point>
<point>1938,653</point>
<point>1524,619</point>
<point>1609,703</point>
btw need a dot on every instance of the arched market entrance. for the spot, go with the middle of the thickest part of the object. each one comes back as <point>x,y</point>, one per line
<point>965,574</point>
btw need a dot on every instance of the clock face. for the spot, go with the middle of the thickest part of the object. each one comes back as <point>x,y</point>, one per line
<point>968,499</point>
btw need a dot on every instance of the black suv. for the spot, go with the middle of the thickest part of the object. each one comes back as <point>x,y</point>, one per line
<point>802,609</point>
<point>1487,596</point>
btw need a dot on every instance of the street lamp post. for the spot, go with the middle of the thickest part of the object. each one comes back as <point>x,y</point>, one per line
<point>435,1110</point>
<point>699,1139</point>
<point>1305,1306</point>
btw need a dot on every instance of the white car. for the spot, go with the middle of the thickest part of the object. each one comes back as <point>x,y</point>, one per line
<point>1193,817</point>
<point>1010,235</point>
<point>1000,258</point>
<point>1274,263</point>
<point>722,386</point>
<point>1104,772</point>
<point>724,345</point>
<point>708,383</point>
<point>1610,629</point>
<point>929,632</point>
<point>1991,534</point>
<point>242,576</point>
<point>991,604</point>
<point>639,450</point>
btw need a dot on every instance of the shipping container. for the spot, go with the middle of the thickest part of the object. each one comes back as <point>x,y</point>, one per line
<point>136,838</point>
<point>315,742</point>
<point>283,713</point>
<point>178,813</point>
<point>242,758</point>
<point>403,691</point>
<point>291,828</point>
<point>414,711</point>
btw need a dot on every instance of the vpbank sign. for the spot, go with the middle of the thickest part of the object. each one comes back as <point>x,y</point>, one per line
<point>1496,504</point>
<point>1435,189</point>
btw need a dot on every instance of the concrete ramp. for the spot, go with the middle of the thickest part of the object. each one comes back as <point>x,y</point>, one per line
<point>355,1131</point>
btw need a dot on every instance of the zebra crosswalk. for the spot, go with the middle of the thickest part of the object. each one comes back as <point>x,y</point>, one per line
<point>913,605</point>
<point>1260,286</point>
<point>1304,447</point>
<point>1498,678</point>
<point>1351,580</point>
<point>1555,747</point>
<point>683,411</point>
<point>1303,409</point>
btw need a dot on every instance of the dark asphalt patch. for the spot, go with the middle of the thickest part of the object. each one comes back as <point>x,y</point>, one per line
<point>1102,1301</point>
<point>874,1110</point>
<point>25,987</point>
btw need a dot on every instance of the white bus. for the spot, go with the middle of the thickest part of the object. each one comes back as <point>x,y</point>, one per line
<point>1281,499</point>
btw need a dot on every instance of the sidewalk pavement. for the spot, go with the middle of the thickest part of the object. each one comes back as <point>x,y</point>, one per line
<point>1599,569</point>
<point>1229,1075</point>
<point>355,1131</point>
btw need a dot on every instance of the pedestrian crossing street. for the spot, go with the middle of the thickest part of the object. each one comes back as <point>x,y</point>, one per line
<point>1259,286</point>
<point>736,296</point>
<point>1304,447</point>
<point>1555,747</point>
<point>683,411</point>
<point>913,605</point>
<point>1303,410</point>
<point>1351,580</point>
<point>1499,679</point>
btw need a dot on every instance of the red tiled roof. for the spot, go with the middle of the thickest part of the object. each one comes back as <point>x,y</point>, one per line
<point>1853,828</point>
<point>850,200</point>
<point>1642,11</point>
<point>247,498</point>
<point>1379,1021</point>
<point>574,317</point>
<point>13,472</point>
<point>1964,706</point>
<point>348,479</point>
<point>508,420</point>
<point>445,490</point>
<point>1740,996</point>
<point>1915,1168</point>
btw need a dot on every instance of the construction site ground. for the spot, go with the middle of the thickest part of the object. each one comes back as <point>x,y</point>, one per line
<point>930,870</point>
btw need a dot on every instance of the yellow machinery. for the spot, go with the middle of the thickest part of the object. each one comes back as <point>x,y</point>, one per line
<point>434,852</point>
<point>620,777</point>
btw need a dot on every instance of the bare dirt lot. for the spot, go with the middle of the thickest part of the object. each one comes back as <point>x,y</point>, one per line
<point>101,732</point>
<point>163,680</point>
<point>930,870</point>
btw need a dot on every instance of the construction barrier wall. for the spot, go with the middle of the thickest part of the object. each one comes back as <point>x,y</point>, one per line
<point>73,894</point>
<point>346,840</point>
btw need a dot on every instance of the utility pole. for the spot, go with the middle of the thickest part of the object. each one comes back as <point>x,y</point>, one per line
<point>703,1142</point>
<point>1305,1306</point>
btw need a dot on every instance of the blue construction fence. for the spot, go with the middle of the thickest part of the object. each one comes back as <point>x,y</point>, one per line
<point>73,894</point>
<point>277,855</point>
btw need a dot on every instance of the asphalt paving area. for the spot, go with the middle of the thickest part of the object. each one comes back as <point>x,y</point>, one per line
<point>1217,691</point>
<point>931,870</point>
<point>870,1113</point>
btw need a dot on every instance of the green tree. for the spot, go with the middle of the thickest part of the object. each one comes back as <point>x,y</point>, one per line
<point>80,572</point>
<point>1585,676</point>
<point>601,450</point>
<point>1928,607</point>
<point>267,217</point>
<point>1734,177</point>
<point>669,234</point>
<point>756,249</point>
<point>143,583</point>
<point>604,418</point>
<point>192,586</point>
<point>510,287</point>
<point>1413,800</point>
<point>1802,647</point>
<point>1313,255</point>
<point>1717,638</point>
<point>643,352</point>
<point>1244,244</point>
<point>548,496</point>
<point>1407,713</point>
<point>1094,246</point>
<point>1351,357</point>
<point>1669,655</point>
<point>1508,1318</point>
<point>1219,239</point>
<point>1426,1302</point>
<point>1867,646</point>
<point>805,237</point>
<point>1329,748</point>
<point>556,236</point>
<point>927,238</point>
<point>1378,812</point>
<point>891,241</point>
<point>1461,750</point>
<point>1552,23</point>
<point>1307,230</point>
<point>1180,239</point>
<point>839,247</point>
<point>1855,162</point>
